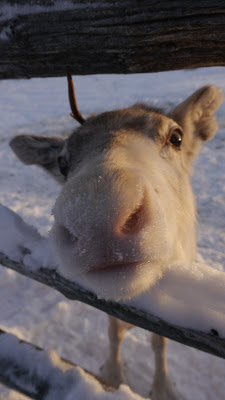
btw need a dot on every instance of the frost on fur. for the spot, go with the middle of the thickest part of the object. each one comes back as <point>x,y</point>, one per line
<point>126,210</point>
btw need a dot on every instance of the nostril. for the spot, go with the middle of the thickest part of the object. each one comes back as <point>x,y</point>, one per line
<point>134,222</point>
<point>66,235</point>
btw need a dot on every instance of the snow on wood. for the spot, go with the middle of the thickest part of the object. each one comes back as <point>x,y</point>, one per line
<point>108,37</point>
<point>186,305</point>
<point>44,375</point>
<point>209,342</point>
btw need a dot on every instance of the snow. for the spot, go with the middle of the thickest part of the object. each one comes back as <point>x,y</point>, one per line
<point>64,382</point>
<point>22,242</point>
<point>76,331</point>
<point>190,295</point>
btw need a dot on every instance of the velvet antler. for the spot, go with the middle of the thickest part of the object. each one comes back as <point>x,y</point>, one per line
<point>73,104</point>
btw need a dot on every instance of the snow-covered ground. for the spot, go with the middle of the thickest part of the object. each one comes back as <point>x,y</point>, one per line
<point>76,331</point>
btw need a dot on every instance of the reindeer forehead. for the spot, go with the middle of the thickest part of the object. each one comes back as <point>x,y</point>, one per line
<point>99,132</point>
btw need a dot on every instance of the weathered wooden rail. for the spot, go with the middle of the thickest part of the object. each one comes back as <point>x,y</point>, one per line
<point>209,342</point>
<point>47,376</point>
<point>39,39</point>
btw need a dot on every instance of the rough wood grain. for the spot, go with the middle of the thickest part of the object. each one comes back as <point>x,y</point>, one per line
<point>91,37</point>
<point>45,377</point>
<point>209,342</point>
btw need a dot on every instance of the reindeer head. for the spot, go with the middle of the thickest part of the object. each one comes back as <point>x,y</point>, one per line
<point>126,210</point>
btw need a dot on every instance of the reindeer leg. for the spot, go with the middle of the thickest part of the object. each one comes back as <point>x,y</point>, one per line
<point>112,369</point>
<point>162,388</point>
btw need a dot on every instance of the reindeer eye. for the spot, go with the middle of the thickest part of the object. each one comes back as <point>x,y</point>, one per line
<point>63,165</point>
<point>176,137</point>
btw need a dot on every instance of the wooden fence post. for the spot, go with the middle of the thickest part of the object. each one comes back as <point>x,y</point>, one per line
<point>92,37</point>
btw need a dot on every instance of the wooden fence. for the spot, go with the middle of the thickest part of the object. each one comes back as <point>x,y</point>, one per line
<point>209,342</point>
<point>122,36</point>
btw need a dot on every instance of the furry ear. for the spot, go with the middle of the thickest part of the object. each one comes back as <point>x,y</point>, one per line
<point>39,150</point>
<point>195,116</point>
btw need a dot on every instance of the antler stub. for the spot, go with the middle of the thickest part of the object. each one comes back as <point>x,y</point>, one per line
<point>73,104</point>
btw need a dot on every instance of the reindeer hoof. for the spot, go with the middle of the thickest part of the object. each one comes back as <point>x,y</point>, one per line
<point>164,390</point>
<point>113,376</point>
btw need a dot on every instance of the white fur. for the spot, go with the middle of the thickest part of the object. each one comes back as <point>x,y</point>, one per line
<point>127,210</point>
<point>93,201</point>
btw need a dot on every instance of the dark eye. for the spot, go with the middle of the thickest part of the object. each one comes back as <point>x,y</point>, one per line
<point>175,137</point>
<point>63,165</point>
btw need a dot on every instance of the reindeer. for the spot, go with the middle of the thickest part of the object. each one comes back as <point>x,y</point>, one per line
<point>126,209</point>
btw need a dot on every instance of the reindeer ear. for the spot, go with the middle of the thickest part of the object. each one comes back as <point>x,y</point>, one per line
<point>195,116</point>
<point>39,150</point>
